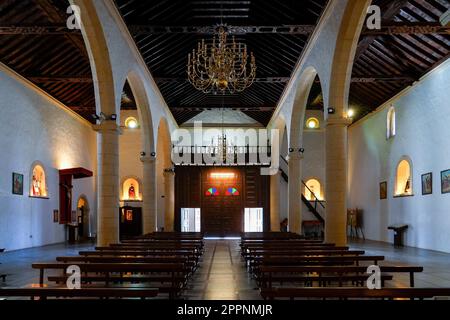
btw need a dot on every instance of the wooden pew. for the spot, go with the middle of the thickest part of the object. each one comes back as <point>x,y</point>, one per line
<point>144,253</point>
<point>269,235</point>
<point>250,254</point>
<point>176,271</point>
<point>355,293</point>
<point>284,273</point>
<point>147,249</point>
<point>254,257</point>
<point>189,265</point>
<point>44,293</point>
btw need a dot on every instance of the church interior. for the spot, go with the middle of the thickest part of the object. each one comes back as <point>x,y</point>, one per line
<point>224,150</point>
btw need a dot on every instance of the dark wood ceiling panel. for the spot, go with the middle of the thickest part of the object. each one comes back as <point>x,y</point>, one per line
<point>166,52</point>
<point>43,57</point>
<point>165,31</point>
<point>398,55</point>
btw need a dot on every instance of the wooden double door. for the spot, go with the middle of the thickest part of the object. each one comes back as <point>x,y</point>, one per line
<point>222,214</point>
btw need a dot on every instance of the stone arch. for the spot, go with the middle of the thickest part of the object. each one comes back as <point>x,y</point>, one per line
<point>305,83</point>
<point>346,45</point>
<point>97,48</point>
<point>143,106</point>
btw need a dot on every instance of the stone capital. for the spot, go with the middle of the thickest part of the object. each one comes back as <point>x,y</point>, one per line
<point>341,121</point>
<point>107,126</point>
<point>294,156</point>
<point>148,159</point>
<point>169,173</point>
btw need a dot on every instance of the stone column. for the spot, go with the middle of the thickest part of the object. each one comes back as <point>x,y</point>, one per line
<point>149,194</point>
<point>108,183</point>
<point>275,202</point>
<point>294,192</point>
<point>336,181</point>
<point>169,198</point>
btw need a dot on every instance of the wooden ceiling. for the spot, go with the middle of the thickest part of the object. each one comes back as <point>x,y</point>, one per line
<point>35,43</point>
<point>165,31</point>
<point>58,63</point>
<point>389,60</point>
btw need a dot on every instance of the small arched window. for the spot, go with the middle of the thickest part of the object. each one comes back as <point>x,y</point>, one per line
<point>38,184</point>
<point>390,123</point>
<point>403,181</point>
<point>131,190</point>
<point>131,123</point>
<point>313,190</point>
<point>312,123</point>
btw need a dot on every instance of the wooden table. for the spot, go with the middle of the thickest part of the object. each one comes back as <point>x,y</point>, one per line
<point>398,234</point>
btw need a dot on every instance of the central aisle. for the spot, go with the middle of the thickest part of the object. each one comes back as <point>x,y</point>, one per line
<point>222,275</point>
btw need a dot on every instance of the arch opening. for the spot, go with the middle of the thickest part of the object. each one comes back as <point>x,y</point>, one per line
<point>38,181</point>
<point>403,178</point>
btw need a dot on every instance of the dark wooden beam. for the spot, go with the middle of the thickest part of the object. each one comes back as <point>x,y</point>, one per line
<point>409,28</point>
<point>88,79</point>
<point>259,80</point>
<point>372,79</point>
<point>386,29</point>
<point>55,16</point>
<point>60,79</point>
<point>52,30</point>
<point>388,13</point>
<point>200,109</point>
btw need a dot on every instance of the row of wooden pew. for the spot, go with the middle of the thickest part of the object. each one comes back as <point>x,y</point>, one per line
<point>286,266</point>
<point>159,264</point>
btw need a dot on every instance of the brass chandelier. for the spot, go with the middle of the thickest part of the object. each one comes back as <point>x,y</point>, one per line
<point>221,67</point>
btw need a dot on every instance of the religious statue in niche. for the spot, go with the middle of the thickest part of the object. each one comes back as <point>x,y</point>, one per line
<point>37,182</point>
<point>131,192</point>
<point>408,185</point>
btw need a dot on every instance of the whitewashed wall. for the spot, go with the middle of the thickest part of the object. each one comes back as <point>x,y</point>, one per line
<point>423,131</point>
<point>33,127</point>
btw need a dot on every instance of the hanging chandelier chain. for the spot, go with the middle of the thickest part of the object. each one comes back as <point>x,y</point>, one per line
<point>222,66</point>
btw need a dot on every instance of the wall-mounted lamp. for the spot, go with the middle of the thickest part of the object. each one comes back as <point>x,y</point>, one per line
<point>331,110</point>
<point>102,117</point>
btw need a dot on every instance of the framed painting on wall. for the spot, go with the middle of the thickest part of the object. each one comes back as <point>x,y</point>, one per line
<point>17,183</point>
<point>55,216</point>
<point>445,181</point>
<point>427,183</point>
<point>383,190</point>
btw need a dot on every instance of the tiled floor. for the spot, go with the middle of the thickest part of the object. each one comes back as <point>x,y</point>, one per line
<point>222,275</point>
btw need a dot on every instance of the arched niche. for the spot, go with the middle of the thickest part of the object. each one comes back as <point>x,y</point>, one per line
<point>313,190</point>
<point>404,178</point>
<point>131,189</point>
<point>38,181</point>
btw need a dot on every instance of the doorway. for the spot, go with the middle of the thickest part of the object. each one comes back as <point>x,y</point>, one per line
<point>253,220</point>
<point>82,218</point>
<point>190,220</point>
<point>130,222</point>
